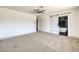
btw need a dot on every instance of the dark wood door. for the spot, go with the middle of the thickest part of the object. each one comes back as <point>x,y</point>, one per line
<point>37,25</point>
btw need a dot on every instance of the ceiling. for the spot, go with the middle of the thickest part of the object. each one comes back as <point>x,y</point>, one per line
<point>49,9</point>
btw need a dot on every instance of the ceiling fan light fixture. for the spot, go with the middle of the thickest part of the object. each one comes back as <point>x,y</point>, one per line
<point>39,10</point>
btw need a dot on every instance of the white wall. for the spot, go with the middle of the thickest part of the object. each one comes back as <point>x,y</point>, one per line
<point>73,23</point>
<point>44,23</point>
<point>13,23</point>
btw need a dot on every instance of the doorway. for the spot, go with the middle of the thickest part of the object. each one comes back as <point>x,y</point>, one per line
<point>63,25</point>
<point>37,25</point>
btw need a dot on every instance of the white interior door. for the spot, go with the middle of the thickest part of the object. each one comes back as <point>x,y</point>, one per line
<point>54,25</point>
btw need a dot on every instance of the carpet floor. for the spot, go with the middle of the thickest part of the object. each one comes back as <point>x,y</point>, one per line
<point>39,42</point>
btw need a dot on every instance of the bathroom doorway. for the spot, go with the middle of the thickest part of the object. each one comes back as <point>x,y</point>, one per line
<point>63,25</point>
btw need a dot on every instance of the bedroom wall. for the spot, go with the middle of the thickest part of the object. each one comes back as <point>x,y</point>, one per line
<point>14,23</point>
<point>73,22</point>
<point>44,23</point>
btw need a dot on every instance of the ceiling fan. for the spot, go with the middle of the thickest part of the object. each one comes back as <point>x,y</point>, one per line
<point>39,10</point>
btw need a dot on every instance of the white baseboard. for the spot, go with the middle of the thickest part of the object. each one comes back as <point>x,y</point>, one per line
<point>3,38</point>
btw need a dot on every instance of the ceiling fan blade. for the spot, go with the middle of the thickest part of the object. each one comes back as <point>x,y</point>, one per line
<point>35,10</point>
<point>42,10</point>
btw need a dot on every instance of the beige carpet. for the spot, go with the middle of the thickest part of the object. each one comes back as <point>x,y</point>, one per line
<point>39,42</point>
